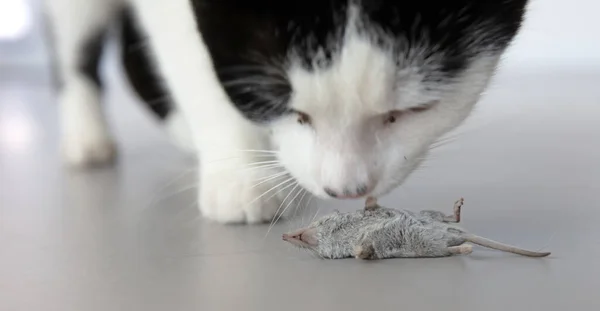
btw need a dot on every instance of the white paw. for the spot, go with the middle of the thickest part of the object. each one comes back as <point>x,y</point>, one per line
<point>88,149</point>
<point>234,195</point>
<point>85,137</point>
<point>179,131</point>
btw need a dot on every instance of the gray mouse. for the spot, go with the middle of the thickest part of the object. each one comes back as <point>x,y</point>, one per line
<point>378,232</point>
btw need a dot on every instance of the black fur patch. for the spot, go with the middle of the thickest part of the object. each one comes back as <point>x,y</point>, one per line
<point>90,56</point>
<point>140,70</point>
<point>250,42</point>
<point>453,32</point>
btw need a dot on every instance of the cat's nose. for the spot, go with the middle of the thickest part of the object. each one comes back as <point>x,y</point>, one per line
<point>348,192</point>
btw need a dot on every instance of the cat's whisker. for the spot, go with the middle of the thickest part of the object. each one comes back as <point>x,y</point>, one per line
<point>179,191</point>
<point>278,192</point>
<point>315,216</point>
<point>258,68</point>
<point>444,141</point>
<point>262,167</point>
<point>235,153</point>
<point>155,197</point>
<point>279,208</point>
<point>302,208</point>
<point>286,207</point>
<point>239,157</point>
<point>291,179</point>
<point>308,205</point>
<point>263,162</point>
<point>298,206</point>
<point>270,178</point>
<point>253,81</point>
<point>176,178</point>
<point>257,151</point>
<point>265,167</point>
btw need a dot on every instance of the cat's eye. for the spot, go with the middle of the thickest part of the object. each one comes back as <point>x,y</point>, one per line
<point>391,119</point>
<point>418,109</point>
<point>423,107</point>
<point>303,118</point>
<point>393,116</point>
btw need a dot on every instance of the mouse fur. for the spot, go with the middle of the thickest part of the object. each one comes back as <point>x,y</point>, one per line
<point>378,232</point>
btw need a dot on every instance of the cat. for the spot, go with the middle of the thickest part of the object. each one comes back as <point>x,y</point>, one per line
<point>341,98</point>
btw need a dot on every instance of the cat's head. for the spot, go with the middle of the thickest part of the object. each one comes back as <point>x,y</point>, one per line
<point>356,91</point>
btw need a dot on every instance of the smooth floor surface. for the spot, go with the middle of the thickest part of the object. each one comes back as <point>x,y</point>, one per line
<point>131,237</point>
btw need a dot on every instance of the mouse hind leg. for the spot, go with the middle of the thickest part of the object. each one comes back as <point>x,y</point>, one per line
<point>455,217</point>
<point>458,246</point>
<point>463,249</point>
<point>441,217</point>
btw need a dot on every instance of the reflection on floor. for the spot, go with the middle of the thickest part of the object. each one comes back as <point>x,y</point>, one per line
<point>116,239</point>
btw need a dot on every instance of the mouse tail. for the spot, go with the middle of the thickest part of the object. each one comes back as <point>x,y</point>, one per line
<point>475,239</point>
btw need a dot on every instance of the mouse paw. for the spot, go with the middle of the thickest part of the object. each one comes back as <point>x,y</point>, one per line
<point>364,251</point>
<point>458,204</point>
<point>463,249</point>
<point>457,207</point>
<point>234,193</point>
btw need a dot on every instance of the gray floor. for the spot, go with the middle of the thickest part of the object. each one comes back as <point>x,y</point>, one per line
<point>527,163</point>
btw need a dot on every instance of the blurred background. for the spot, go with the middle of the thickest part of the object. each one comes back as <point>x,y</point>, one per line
<point>129,238</point>
<point>556,33</point>
<point>559,44</point>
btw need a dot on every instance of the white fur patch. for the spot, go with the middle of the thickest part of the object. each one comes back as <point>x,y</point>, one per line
<point>222,136</point>
<point>179,130</point>
<point>85,137</point>
<point>348,145</point>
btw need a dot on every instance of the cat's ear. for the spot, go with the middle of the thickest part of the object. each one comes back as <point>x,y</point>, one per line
<point>365,250</point>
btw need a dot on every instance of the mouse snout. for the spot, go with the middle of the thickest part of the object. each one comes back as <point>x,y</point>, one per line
<point>305,236</point>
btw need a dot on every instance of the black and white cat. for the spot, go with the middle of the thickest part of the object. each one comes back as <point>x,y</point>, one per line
<point>346,96</point>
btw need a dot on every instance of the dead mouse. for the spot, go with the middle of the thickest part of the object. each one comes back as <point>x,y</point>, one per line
<point>378,232</point>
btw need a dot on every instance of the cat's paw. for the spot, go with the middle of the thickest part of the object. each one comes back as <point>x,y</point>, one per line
<point>231,195</point>
<point>85,140</point>
<point>88,149</point>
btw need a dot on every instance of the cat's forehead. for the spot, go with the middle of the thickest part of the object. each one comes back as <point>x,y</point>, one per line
<point>434,40</point>
<point>314,31</point>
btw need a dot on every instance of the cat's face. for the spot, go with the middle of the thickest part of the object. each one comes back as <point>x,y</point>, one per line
<point>356,91</point>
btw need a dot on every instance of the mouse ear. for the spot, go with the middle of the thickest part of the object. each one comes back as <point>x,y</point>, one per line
<point>365,250</point>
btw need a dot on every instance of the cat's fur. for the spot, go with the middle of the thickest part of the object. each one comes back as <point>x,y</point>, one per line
<point>350,94</point>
